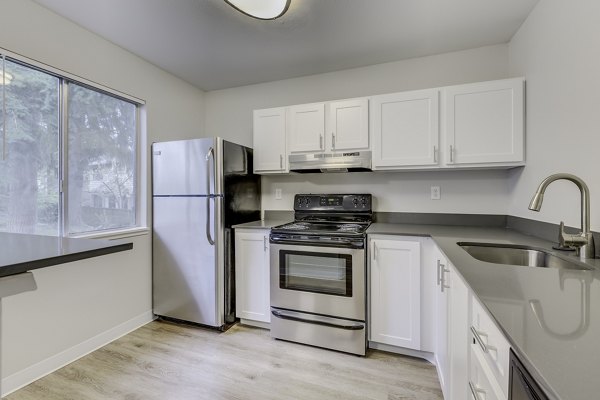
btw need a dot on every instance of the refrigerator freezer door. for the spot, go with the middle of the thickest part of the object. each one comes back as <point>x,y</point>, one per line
<point>187,280</point>
<point>185,167</point>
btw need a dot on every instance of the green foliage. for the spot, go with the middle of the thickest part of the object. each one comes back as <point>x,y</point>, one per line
<point>102,140</point>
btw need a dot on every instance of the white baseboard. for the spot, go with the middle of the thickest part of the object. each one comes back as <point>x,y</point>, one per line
<point>401,350</point>
<point>30,374</point>
<point>258,324</point>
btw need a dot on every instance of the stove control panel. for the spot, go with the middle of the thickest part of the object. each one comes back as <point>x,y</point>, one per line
<point>333,202</point>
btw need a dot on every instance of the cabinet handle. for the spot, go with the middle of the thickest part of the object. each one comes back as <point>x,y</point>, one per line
<point>281,161</point>
<point>477,336</point>
<point>264,243</point>
<point>374,252</point>
<point>451,153</point>
<point>443,285</point>
<point>475,391</point>
<point>321,141</point>
<point>439,272</point>
<point>332,140</point>
<point>435,154</point>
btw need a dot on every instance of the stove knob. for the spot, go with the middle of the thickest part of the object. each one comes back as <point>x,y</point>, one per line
<point>355,201</point>
<point>364,201</point>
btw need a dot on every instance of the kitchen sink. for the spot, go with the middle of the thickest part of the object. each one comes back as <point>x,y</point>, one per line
<point>518,255</point>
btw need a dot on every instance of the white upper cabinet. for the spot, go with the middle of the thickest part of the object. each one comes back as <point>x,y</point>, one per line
<point>307,128</point>
<point>349,125</point>
<point>477,125</point>
<point>405,129</point>
<point>484,124</point>
<point>270,155</point>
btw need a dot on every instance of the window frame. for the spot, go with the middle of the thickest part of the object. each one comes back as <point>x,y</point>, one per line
<point>140,185</point>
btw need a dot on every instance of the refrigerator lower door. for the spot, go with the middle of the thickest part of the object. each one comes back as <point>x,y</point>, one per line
<point>187,272</point>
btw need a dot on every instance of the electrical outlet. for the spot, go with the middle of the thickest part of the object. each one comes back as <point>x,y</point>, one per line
<point>277,194</point>
<point>436,193</point>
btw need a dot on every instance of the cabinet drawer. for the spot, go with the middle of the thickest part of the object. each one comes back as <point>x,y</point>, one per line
<point>493,346</point>
<point>482,385</point>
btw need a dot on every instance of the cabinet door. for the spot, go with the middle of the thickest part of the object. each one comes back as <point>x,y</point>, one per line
<point>484,122</point>
<point>270,140</point>
<point>349,123</point>
<point>458,332</point>
<point>395,293</point>
<point>441,351</point>
<point>252,275</point>
<point>307,128</point>
<point>404,129</point>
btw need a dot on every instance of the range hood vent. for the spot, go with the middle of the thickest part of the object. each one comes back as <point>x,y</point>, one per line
<point>331,162</point>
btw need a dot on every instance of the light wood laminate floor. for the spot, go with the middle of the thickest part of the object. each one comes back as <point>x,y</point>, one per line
<point>167,361</point>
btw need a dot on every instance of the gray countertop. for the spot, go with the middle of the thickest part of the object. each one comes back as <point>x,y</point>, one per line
<point>262,224</point>
<point>560,343</point>
<point>22,252</point>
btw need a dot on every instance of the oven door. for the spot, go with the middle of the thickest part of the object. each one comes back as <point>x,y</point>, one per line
<point>318,279</point>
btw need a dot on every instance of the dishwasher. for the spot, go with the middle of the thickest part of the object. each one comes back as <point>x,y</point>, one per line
<point>522,386</point>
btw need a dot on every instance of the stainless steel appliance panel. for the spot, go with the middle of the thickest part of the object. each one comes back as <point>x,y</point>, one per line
<point>522,386</point>
<point>331,333</point>
<point>188,277</point>
<point>331,162</point>
<point>319,282</point>
<point>186,167</point>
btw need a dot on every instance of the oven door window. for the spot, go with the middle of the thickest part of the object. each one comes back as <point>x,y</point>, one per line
<point>316,272</point>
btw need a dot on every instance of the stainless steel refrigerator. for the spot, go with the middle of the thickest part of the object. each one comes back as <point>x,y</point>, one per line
<point>200,189</point>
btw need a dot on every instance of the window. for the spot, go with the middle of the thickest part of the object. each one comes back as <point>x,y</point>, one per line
<point>101,158</point>
<point>29,165</point>
<point>94,152</point>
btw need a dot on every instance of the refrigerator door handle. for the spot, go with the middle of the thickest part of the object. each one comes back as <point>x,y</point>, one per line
<point>209,155</point>
<point>208,235</point>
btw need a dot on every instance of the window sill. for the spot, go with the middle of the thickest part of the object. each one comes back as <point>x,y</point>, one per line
<point>114,234</point>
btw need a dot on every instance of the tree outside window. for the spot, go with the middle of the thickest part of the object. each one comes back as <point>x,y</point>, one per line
<point>101,133</point>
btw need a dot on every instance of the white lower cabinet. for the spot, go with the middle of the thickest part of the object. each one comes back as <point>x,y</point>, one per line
<point>458,331</point>
<point>452,316</point>
<point>481,384</point>
<point>252,276</point>
<point>442,358</point>
<point>395,296</point>
<point>420,305</point>
<point>472,354</point>
<point>491,347</point>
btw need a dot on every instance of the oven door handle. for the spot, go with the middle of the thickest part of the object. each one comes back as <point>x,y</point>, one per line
<point>341,244</point>
<point>322,322</point>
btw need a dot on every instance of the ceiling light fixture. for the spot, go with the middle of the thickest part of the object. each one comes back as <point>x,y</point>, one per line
<point>261,9</point>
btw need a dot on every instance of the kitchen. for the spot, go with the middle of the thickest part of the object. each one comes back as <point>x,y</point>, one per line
<point>552,50</point>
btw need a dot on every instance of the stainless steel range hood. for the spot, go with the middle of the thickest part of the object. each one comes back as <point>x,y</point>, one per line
<point>331,162</point>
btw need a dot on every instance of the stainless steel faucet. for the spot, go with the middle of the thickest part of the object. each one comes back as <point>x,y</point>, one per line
<point>583,241</point>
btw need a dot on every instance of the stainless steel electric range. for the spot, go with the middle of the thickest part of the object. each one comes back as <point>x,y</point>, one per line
<point>318,272</point>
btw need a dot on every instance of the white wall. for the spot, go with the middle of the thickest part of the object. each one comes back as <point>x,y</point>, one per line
<point>556,49</point>
<point>81,304</point>
<point>230,112</point>
<point>475,192</point>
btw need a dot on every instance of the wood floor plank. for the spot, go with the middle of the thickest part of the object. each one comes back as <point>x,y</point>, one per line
<point>167,361</point>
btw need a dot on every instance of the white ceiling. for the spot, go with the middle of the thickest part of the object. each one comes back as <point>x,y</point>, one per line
<point>212,46</point>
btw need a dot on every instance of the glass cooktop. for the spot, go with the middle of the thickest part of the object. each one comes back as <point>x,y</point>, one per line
<point>322,228</point>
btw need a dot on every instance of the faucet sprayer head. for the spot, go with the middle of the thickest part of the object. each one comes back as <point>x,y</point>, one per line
<point>536,201</point>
